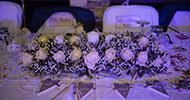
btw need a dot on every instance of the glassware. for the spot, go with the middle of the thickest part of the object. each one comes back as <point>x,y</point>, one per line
<point>161,37</point>
<point>157,29</point>
<point>142,23</point>
<point>180,35</point>
<point>182,38</point>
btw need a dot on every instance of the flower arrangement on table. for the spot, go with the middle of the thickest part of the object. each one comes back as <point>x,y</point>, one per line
<point>90,53</point>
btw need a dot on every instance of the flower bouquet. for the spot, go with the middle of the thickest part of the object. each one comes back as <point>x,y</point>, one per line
<point>122,53</point>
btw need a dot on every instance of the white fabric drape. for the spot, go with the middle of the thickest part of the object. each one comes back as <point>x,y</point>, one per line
<point>123,18</point>
<point>181,21</point>
<point>10,16</point>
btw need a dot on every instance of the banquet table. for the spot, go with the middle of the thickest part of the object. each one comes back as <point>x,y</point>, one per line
<point>17,85</point>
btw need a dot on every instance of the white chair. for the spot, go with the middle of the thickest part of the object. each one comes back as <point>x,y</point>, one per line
<point>124,18</point>
<point>10,16</point>
<point>59,22</point>
<point>181,21</point>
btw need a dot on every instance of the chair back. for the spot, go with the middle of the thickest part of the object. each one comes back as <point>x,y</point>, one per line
<point>181,21</point>
<point>10,16</point>
<point>59,22</point>
<point>124,18</point>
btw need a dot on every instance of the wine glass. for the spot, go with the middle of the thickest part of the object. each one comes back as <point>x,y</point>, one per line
<point>182,37</point>
<point>157,29</point>
<point>142,23</point>
<point>157,32</point>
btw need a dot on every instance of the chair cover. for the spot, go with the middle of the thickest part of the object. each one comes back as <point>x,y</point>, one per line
<point>59,22</point>
<point>181,21</point>
<point>10,16</point>
<point>123,18</point>
<point>42,13</point>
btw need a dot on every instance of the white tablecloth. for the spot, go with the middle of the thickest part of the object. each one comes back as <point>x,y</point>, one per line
<point>16,85</point>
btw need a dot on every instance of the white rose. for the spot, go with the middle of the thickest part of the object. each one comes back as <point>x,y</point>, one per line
<point>75,39</point>
<point>80,29</point>
<point>41,54</point>
<point>93,37</point>
<point>59,56</point>
<point>43,38</point>
<point>158,61</point>
<point>127,54</point>
<point>91,59</point>
<point>127,38</point>
<point>110,54</point>
<point>143,41</point>
<point>26,59</point>
<point>76,54</point>
<point>59,39</point>
<point>109,37</point>
<point>142,58</point>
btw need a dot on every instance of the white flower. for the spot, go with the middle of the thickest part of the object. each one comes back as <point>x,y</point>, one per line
<point>91,59</point>
<point>127,38</point>
<point>142,58</point>
<point>109,37</point>
<point>26,59</point>
<point>59,56</point>
<point>127,54</point>
<point>110,54</point>
<point>75,39</point>
<point>143,41</point>
<point>80,29</point>
<point>43,38</point>
<point>76,54</point>
<point>41,54</point>
<point>59,39</point>
<point>158,61</point>
<point>93,37</point>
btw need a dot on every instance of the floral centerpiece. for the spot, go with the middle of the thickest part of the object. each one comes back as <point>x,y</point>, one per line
<point>90,53</point>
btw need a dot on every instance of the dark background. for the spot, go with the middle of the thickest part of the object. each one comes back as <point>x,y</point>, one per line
<point>165,8</point>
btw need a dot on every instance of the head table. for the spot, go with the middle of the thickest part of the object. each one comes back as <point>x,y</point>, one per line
<point>15,84</point>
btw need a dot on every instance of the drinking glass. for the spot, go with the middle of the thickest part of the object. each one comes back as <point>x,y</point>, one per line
<point>142,23</point>
<point>182,37</point>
